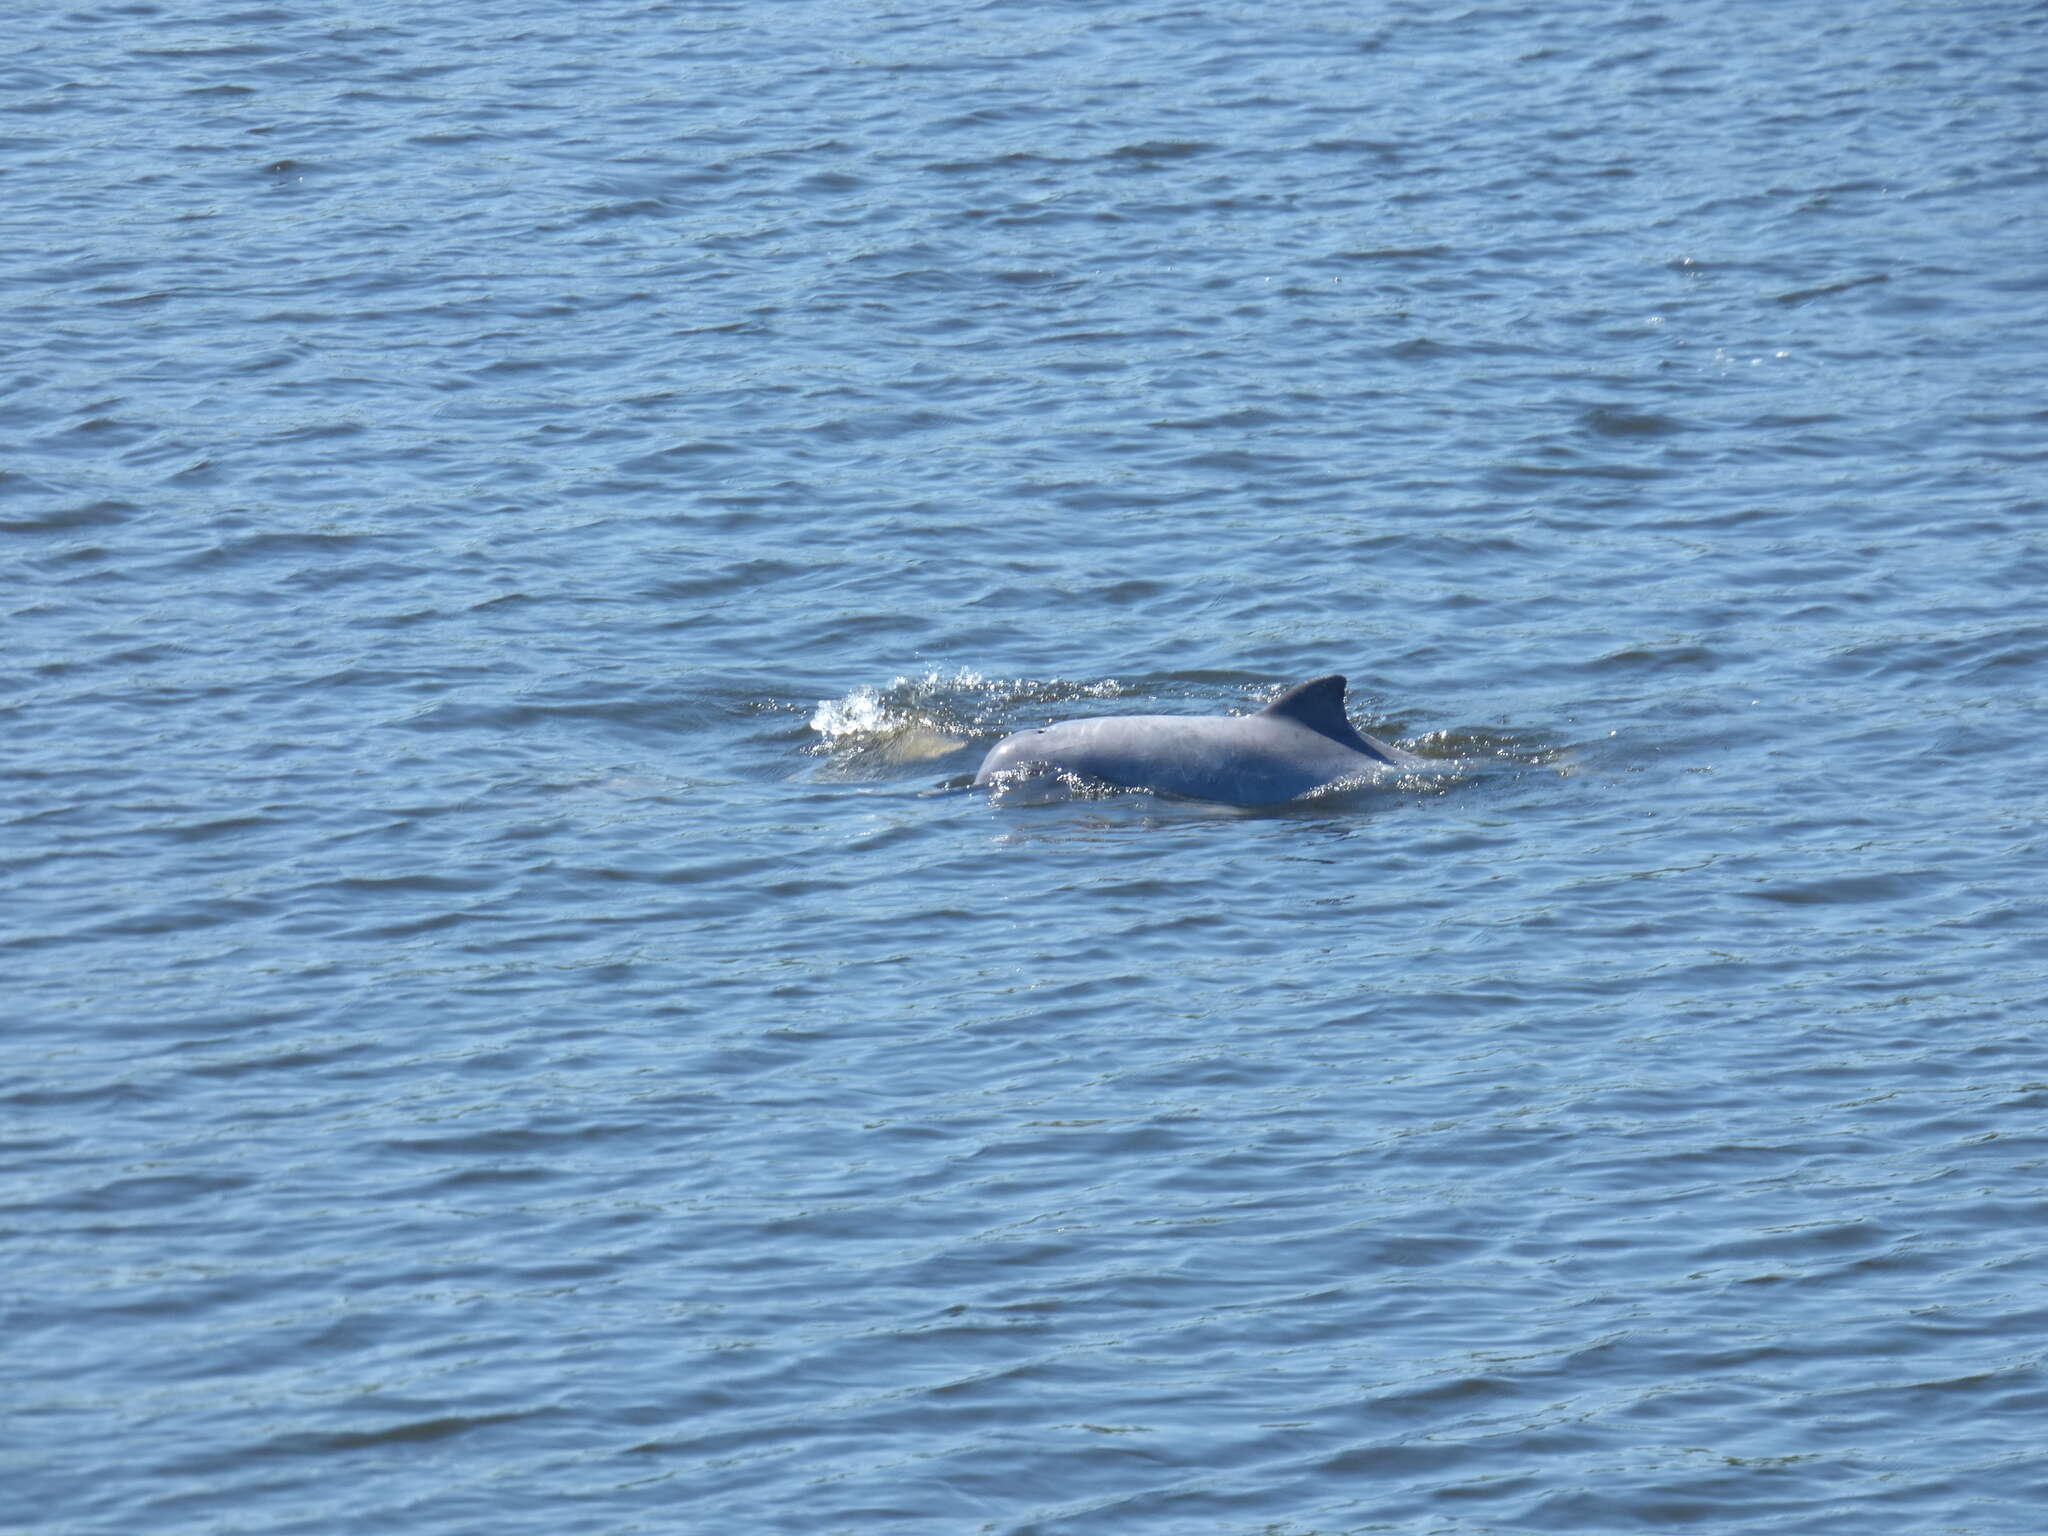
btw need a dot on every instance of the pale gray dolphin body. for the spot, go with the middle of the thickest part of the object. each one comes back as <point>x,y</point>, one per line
<point>1298,743</point>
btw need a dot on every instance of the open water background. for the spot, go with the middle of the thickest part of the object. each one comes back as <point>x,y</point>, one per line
<point>514,517</point>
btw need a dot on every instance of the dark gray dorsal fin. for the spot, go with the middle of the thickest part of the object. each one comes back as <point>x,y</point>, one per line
<point>1319,705</point>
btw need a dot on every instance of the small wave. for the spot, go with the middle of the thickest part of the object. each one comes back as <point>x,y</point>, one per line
<point>871,731</point>
<point>909,721</point>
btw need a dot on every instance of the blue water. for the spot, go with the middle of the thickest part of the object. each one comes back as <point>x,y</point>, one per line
<point>516,521</point>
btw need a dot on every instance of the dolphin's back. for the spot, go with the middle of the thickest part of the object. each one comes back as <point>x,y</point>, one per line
<point>1300,742</point>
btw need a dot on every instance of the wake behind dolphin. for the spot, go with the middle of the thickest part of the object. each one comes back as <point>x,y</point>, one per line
<point>1299,743</point>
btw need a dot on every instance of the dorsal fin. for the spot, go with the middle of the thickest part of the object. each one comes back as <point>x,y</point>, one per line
<point>1319,705</point>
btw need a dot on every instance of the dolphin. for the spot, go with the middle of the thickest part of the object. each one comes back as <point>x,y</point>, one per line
<point>1300,742</point>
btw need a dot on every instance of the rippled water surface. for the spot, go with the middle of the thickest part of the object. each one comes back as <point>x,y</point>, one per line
<point>518,520</point>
